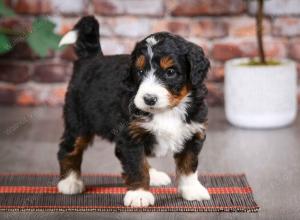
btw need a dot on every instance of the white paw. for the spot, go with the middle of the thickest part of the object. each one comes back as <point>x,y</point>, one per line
<point>195,192</point>
<point>138,198</point>
<point>72,184</point>
<point>158,178</point>
<point>191,189</point>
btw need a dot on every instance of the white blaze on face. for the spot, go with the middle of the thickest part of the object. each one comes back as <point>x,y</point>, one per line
<point>151,41</point>
<point>150,85</point>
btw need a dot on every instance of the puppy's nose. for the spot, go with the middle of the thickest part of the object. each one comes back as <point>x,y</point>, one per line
<point>150,99</point>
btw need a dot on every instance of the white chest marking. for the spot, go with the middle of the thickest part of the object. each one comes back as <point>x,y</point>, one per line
<point>170,130</point>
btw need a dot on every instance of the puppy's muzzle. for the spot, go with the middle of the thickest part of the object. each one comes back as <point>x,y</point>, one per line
<point>150,99</point>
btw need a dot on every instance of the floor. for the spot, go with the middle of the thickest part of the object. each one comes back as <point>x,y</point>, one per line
<point>270,159</point>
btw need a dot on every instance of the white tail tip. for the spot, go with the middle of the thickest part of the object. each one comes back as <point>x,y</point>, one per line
<point>69,38</point>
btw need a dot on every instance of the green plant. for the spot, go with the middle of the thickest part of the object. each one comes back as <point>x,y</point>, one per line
<point>41,38</point>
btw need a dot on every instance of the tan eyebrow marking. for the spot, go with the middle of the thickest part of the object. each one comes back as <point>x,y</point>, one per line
<point>166,62</point>
<point>140,62</point>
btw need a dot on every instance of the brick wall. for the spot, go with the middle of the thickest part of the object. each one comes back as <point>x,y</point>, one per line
<point>224,28</point>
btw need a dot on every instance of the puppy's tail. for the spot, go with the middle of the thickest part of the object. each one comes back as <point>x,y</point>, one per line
<point>85,36</point>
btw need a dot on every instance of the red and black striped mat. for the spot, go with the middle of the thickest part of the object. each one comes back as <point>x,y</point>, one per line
<point>105,192</point>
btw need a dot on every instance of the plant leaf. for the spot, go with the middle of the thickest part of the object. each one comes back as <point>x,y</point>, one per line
<point>42,37</point>
<point>5,44</point>
<point>5,11</point>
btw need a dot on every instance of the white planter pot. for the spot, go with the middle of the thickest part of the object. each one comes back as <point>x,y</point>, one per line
<point>260,96</point>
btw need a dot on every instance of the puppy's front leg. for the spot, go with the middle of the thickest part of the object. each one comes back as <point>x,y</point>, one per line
<point>186,169</point>
<point>158,178</point>
<point>136,175</point>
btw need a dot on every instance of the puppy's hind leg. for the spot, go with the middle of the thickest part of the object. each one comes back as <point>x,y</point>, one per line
<point>70,158</point>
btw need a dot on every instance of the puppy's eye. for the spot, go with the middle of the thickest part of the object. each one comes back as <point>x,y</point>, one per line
<point>140,73</point>
<point>171,73</point>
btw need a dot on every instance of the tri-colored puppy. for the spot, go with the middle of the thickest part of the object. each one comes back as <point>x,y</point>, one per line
<point>149,103</point>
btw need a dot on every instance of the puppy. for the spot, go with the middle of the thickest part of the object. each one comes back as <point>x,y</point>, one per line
<point>149,103</point>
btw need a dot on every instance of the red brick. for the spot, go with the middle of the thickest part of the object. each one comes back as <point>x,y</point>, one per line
<point>34,7</point>
<point>245,26</point>
<point>27,97</point>
<point>299,95</point>
<point>274,48</point>
<point>111,46</point>
<point>277,7</point>
<point>35,94</point>
<point>65,24</point>
<point>145,7</point>
<point>7,94</point>
<point>215,94</point>
<point>209,28</point>
<point>207,7</point>
<point>70,7</point>
<point>216,73</point>
<point>286,26</point>
<point>57,96</point>
<point>52,72</point>
<point>17,24</point>
<point>106,7</point>
<point>298,70</point>
<point>294,49</point>
<point>131,27</point>
<point>133,7</point>
<point>247,48</point>
<point>21,50</point>
<point>181,27</point>
<point>226,50</point>
<point>7,2</point>
<point>106,27</point>
<point>14,72</point>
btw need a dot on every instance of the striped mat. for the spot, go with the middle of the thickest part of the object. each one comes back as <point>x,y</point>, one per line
<point>105,192</point>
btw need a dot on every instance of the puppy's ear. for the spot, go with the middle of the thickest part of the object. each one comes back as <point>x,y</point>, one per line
<point>129,82</point>
<point>199,64</point>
